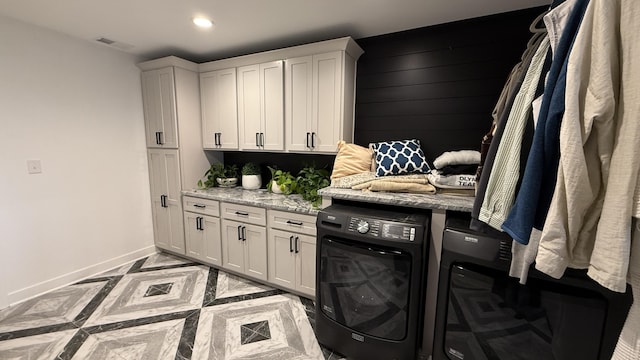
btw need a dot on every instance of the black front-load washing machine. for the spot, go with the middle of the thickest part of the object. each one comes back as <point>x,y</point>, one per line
<point>370,284</point>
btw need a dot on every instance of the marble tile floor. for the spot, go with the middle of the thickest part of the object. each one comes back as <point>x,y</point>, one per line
<point>162,307</point>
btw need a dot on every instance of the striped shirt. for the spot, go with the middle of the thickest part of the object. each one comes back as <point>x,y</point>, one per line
<point>501,187</point>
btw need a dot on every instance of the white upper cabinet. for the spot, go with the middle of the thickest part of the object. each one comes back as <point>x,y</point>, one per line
<point>159,99</point>
<point>219,109</point>
<point>319,101</point>
<point>261,106</point>
<point>318,93</point>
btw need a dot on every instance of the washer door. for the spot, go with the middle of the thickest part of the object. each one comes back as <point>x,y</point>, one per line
<point>365,288</point>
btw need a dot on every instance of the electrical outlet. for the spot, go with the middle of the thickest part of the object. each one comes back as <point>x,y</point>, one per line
<point>34,166</point>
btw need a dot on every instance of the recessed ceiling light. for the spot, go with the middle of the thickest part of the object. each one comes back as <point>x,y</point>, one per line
<point>202,22</point>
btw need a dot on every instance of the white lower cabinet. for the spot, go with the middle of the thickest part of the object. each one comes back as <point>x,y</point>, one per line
<point>275,247</point>
<point>292,251</point>
<point>244,248</point>
<point>202,230</point>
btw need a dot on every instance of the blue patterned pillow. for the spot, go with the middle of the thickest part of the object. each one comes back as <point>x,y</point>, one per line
<point>399,157</point>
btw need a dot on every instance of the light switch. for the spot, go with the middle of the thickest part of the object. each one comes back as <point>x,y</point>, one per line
<point>34,166</point>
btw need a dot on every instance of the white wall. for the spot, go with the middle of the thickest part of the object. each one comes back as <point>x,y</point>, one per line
<point>77,107</point>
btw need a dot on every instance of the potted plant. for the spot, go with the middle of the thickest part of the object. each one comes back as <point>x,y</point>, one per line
<point>251,178</point>
<point>217,174</point>
<point>309,181</point>
<point>282,182</point>
<point>228,177</point>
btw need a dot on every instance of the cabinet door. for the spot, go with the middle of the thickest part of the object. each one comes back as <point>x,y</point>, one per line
<point>281,258</point>
<point>249,107</point>
<point>212,240</point>
<point>158,92</point>
<point>232,246</point>
<point>327,105</point>
<point>193,236</point>
<point>164,173</point>
<point>306,264</point>
<point>255,251</point>
<point>298,102</point>
<point>219,109</point>
<point>272,105</point>
<point>202,237</point>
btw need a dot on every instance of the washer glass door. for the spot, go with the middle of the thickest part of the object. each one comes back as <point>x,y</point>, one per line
<point>364,287</point>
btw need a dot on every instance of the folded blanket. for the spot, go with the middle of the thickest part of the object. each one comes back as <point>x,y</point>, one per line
<point>405,185</point>
<point>350,181</point>
<point>461,157</point>
<point>452,181</point>
<point>458,169</point>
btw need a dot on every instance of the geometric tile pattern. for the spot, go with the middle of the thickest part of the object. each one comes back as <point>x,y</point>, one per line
<point>254,332</point>
<point>162,307</point>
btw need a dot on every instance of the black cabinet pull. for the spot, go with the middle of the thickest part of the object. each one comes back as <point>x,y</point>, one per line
<point>244,233</point>
<point>261,139</point>
<point>239,232</point>
<point>160,142</point>
<point>296,244</point>
<point>157,138</point>
<point>313,140</point>
<point>308,139</point>
<point>163,201</point>
<point>242,213</point>
<point>257,139</point>
<point>198,223</point>
<point>291,243</point>
<point>215,139</point>
<point>200,206</point>
<point>291,222</point>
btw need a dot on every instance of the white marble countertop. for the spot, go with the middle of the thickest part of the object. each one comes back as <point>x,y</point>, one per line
<point>261,198</point>
<point>420,201</point>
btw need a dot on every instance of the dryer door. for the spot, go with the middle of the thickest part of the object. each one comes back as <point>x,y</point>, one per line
<point>364,287</point>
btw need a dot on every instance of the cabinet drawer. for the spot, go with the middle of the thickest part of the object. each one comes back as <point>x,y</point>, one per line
<point>201,206</point>
<point>243,213</point>
<point>300,223</point>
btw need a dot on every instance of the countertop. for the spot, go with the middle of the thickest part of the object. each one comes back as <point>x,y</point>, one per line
<point>261,198</point>
<point>420,201</point>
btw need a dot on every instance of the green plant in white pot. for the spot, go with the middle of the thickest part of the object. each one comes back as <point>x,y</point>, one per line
<point>282,182</point>
<point>251,178</point>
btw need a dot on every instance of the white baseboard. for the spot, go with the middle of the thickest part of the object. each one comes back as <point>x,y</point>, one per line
<point>32,291</point>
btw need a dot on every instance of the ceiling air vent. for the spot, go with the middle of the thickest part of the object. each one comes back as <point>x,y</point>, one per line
<point>115,44</point>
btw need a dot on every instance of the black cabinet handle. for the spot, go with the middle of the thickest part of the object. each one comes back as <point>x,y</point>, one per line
<point>296,244</point>
<point>198,223</point>
<point>291,243</point>
<point>200,206</point>
<point>308,139</point>
<point>257,139</point>
<point>242,213</point>
<point>157,138</point>
<point>313,140</point>
<point>261,139</point>
<point>160,134</point>
<point>163,201</point>
<point>244,233</point>
<point>215,139</point>
<point>239,232</point>
<point>291,222</point>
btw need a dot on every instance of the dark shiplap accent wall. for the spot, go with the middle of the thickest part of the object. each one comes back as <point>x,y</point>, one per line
<point>438,84</point>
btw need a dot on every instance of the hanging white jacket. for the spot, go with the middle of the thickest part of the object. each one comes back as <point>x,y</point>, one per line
<point>589,221</point>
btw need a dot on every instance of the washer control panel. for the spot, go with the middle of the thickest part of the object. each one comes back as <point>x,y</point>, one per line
<point>381,229</point>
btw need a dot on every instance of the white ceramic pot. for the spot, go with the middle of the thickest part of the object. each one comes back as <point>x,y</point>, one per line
<point>251,182</point>
<point>275,188</point>
<point>227,182</point>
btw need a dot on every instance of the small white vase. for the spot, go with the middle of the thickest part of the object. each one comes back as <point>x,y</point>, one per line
<point>275,188</point>
<point>251,182</point>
